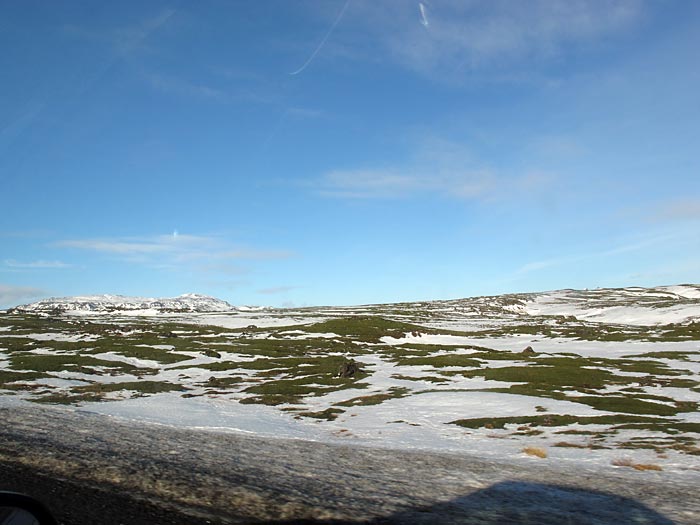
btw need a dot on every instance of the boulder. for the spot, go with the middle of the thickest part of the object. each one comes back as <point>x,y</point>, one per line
<point>528,351</point>
<point>349,369</point>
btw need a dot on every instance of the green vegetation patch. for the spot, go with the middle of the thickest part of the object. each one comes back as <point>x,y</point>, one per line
<point>626,405</point>
<point>222,382</point>
<point>97,391</point>
<point>553,420</point>
<point>667,426</point>
<point>28,324</point>
<point>365,328</point>
<point>142,387</point>
<point>66,398</point>
<point>459,360</point>
<point>641,366</point>
<point>590,445</point>
<point>330,414</point>
<point>676,355</point>
<point>556,372</point>
<point>677,332</point>
<point>375,399</point>
<point>160,355</point>
<point>313,365</point>
<point>431,379</point>
<point>313,384</point>
<point>10,376</point>
<point>73,363</point>
<point>280,348</point>
<point>293,389</point>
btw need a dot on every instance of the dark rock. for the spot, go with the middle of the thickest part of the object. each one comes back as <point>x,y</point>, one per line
<point>528,351</point>
<point>349,369</point>
<point>648,381</point>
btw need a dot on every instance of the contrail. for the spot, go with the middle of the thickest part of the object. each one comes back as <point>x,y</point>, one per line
<point>313,55</point>
<point>423,16</point>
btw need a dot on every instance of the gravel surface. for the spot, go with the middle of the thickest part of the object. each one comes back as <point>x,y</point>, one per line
<point>95,469</point>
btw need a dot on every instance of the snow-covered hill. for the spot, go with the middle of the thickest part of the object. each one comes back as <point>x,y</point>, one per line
<point>189,302</point>
<point>633,305</point>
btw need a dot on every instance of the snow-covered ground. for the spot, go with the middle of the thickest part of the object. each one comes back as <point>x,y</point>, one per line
<point>398,403</point>
<point>418,422</point>
<point>634,306</point>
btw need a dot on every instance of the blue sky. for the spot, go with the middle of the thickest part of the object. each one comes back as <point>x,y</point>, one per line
<point>345,152</point>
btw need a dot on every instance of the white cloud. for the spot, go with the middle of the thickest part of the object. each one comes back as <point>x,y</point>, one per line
<point>172,243</point>
<point>172,250</point>
<point>11,295</point>
<point>478,34</point>
<point>390,183</point>
<point>114,246</point>
<point>11,263</point>
<point>439,167</point>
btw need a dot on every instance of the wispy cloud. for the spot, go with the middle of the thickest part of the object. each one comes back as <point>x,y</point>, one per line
<point>441,168</point>
<point>124,43</point>
<point>172,250</point>
<point>11,295</point>
<point>127,39</point>
<point>184,88</point>
<point>123,247</point>
<point>12,263</point>
<point>20,122</point>
<point>124,39</point>
<point>482,34</point>
<point>391,183</point>
<point>304,112</point>
<point>628,247</point>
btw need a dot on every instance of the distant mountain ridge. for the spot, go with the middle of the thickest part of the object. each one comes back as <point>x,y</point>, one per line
<point>630,305</point>
<point>189,302</point>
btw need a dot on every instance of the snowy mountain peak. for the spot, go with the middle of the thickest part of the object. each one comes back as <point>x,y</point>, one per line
<point>189,302</point>
<point>194,296</point>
